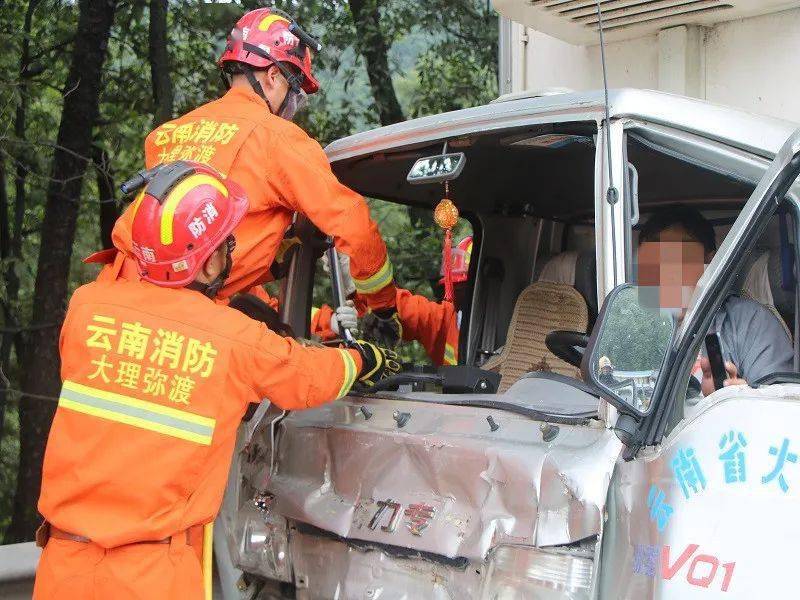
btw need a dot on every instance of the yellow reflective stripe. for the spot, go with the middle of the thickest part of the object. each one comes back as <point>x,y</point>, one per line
<point>314,311</point>
<point>377,282</point>
<point>134,421</point>
<point>449,355</point>
<point>137,413</point>
<point>208,560</point>
<point>135,205</point>
<point>269,20</point>
<point>175,197</point>
<point>350,372</point>
<point>151,406</point>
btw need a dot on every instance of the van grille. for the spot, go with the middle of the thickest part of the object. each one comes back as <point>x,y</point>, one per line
<point>622,14</point>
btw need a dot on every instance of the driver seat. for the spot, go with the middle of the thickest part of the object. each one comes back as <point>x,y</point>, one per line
<point>542,307</point>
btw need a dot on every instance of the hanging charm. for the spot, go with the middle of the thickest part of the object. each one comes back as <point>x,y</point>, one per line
<point>446,216</point>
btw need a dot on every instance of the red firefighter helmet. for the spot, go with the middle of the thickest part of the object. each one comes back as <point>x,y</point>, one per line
<point>186,211</point>
<point>266,36</point>
<point>461,257</point>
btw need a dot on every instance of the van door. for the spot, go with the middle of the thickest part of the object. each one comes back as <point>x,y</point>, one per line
<point>707,506</point>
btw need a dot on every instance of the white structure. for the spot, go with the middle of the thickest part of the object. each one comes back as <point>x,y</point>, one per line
<point>743,53</point>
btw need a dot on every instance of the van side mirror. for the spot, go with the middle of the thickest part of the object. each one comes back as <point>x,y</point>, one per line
<point>436,169</point>
<point>628,347</point>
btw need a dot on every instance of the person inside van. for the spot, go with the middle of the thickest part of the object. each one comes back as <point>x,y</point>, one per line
<point>675,245</point>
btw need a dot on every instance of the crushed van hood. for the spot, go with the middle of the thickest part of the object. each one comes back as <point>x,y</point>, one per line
<point>473,488</point>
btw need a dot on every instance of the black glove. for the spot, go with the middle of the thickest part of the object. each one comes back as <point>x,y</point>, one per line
<point>383,327</point>
<point>377,363</point>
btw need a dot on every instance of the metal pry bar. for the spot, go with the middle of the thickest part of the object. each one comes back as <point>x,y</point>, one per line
<point>336,284</point>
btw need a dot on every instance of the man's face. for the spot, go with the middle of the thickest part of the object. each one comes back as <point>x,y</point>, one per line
<point>674,264</point>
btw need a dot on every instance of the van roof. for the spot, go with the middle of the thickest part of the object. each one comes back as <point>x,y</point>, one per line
<point>759,135</point>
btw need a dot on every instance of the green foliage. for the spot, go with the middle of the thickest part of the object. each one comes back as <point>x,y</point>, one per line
<point>456,70</point>
<point>9,451</point>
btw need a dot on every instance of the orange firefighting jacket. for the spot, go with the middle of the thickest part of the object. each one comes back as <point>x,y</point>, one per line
<point>282,170</point>
<point>155,383</point>
<point>432,324</point>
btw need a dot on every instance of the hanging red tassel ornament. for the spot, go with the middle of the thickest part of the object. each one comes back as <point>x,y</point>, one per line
<point>446,216</point>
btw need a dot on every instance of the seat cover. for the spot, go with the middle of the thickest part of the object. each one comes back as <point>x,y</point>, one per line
<point>542,307</point>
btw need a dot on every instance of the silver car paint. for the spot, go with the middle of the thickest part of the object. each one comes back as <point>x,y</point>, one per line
<point>735,519</point>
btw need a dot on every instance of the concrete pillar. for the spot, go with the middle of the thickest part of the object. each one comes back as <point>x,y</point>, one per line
<point>519,61</point>
<point>681,61</point>
<point>505,56</point>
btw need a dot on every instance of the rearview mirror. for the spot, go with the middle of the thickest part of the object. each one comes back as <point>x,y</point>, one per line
<point>628,347</point>
<point>435,169</point>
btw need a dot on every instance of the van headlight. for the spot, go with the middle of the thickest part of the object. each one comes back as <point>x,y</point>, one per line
<point>518,572</point>
<point>263,544</point>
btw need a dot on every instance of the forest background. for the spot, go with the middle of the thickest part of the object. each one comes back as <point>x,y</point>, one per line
<point>81,84</point>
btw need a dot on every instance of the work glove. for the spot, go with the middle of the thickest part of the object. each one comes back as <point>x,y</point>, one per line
<point>345,317</point>
<point>377,363</point>
<point>383,327</point>
<point>348,285</point>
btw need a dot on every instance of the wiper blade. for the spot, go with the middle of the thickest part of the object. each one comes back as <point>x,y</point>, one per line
<point>489,401</point>
<point>526,411</point>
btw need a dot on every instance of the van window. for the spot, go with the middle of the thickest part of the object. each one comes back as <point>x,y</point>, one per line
<point>414,243</point>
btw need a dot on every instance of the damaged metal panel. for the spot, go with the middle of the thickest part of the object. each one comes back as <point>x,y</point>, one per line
<point>330,568</point>
<point>327,568</point>
<point>336,470</point>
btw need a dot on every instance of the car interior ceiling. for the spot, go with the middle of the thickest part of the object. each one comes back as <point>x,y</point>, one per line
<point>502,175</point>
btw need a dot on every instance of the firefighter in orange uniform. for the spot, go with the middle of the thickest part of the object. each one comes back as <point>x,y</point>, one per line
<point>248,135</point>
<point>156,377</point>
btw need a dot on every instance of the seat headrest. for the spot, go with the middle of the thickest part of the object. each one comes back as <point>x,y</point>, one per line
<point>756,282</point>
<point>560,268</point>
<point>575,268</point>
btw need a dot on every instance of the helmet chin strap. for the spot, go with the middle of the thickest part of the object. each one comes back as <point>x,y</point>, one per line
<point>294,99</point>
<point>251,78</point>
<point>210,290</point>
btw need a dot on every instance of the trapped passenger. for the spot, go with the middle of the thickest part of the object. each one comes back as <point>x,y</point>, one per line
<point>248,135</point>
<point>156,377</point>
<point>435,325</point>
<point>674,245</point>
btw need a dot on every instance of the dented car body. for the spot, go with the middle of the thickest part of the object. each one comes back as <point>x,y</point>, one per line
<point>551,489</point>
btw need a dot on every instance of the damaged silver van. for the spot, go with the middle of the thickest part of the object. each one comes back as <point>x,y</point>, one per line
<point>520,472</point>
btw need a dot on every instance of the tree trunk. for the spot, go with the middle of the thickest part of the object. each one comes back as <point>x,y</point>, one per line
<point>159,62</point>
<point>5,248</point>
<point>41,374</point>
<point>375,51</point>
<point>5,226</point>
<point>12,238</point>
<point>109,209</point>
<point>373,47</point>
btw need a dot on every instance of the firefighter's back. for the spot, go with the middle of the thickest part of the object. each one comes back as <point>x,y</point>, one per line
<point>147,414</point>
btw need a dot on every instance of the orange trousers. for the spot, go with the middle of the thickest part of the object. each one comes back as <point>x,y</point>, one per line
<point>75,570</point>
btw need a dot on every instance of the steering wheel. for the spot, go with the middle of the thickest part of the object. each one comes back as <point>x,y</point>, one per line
<point>564,345</point>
